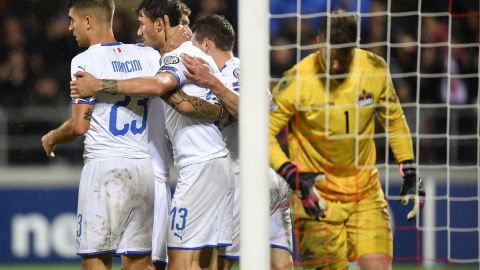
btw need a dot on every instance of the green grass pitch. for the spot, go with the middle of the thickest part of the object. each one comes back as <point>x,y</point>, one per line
<point>117,267</point>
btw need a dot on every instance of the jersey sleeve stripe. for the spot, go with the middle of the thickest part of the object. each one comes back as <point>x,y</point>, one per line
<point>90,101</point>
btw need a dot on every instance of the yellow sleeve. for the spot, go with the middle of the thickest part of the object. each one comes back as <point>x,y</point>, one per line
<point>284,99</point>
<point>391,116</point>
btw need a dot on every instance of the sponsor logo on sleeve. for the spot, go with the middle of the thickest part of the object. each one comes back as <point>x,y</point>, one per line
<point>168,68</point>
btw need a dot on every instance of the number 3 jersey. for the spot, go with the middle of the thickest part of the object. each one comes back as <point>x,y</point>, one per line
<point>118,126</point>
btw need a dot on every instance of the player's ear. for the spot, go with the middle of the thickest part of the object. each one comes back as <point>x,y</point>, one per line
<point>159,24</point>
<point>208,44</point>
<point>88,20</point>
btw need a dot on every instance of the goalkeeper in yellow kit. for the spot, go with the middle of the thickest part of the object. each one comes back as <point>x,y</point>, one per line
<point>341,213</point>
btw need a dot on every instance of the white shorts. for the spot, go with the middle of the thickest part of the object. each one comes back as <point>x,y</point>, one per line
<point>201,212</point>
<point>115,206</point>
<point>160,222</point>
<point>280,221</point>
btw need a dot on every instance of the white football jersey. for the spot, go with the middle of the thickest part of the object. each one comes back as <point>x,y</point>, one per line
<point>231,73</point>
<point>193,140</point>
<point>118,127</point>
<point>159,145</point>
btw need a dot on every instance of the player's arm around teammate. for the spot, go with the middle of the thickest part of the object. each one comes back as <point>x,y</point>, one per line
<point>189,106</point>
<point>199,71</point>
<point>164,85</point>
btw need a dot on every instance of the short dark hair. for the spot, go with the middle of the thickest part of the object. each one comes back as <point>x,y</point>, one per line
<point>218,29</point>
<point>185,9</point>
<point>343,28</point>
<point>155,9</point>
<point>103,8</point>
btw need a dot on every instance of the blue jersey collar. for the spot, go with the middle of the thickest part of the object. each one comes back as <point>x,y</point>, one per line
<point>111,44</point>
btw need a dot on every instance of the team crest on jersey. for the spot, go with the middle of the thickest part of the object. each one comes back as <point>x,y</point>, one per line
<point>170,60</point>
<point>365,99</point>
<point>236,73</point>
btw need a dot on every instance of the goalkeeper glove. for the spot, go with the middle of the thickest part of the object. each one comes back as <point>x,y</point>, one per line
<point>411,188</point>
<point>305,183</point>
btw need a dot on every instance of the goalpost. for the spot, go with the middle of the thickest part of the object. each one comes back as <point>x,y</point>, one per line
<point>253,128</point>
<point>441,105</point>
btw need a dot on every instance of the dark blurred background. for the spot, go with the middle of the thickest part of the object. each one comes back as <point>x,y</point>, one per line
<point>433,59</point>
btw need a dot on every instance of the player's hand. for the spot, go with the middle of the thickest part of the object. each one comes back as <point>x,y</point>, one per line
<point>174,36</point>
<point>86,85</point>
<point>304,183</point>
<point>48,145</point>
<point>412,188</point>
<point>198,70</point>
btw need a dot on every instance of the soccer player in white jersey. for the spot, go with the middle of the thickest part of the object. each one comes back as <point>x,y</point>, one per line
<point>116,191</point>
<point>200,155</point>
<point>159,145</point>
<point>215,36</point>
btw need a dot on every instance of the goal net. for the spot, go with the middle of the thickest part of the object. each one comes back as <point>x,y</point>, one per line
<point>432,50</point>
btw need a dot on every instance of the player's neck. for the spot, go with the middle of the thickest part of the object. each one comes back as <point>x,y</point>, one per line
<point>103,36</point>
<point>222,57</point>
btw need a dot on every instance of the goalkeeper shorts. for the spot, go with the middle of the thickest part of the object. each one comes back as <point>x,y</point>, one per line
<point>350,230</point>
<point>115,206</point>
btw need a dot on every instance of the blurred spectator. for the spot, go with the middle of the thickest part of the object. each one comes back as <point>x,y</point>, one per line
<point>3,7</point>
<point>305,7</point>
<point>281,59</point>
<point>46,93</point>
<point>434,30</point>
<point>14,79</point>
<point>209,7</point>
<point>457,92</point>
<point>15,38</point>
<point>376,28</point>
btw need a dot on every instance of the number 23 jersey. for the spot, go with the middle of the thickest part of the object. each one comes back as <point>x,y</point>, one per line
<point>118,126</point>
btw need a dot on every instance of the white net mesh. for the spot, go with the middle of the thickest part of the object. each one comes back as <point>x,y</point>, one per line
<point>432,50</point>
